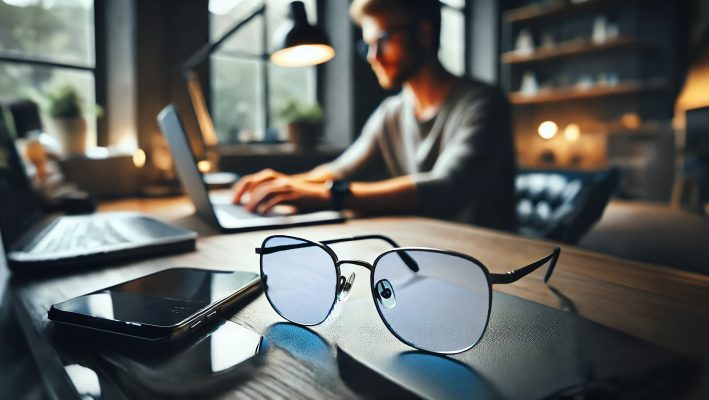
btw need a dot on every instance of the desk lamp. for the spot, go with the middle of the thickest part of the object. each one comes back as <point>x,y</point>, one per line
<point>296,43</point>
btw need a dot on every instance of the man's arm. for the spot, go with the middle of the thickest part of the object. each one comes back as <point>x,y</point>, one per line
<point>467,162</point>
<point>395,195</point>
<point>362,154</point>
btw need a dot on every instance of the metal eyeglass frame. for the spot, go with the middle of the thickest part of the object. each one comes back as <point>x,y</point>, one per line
<point>363,48</point>
<point>343,285</point>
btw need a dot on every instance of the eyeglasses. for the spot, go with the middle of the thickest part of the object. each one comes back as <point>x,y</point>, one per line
<point>433,300</point>
<point>381,42</point>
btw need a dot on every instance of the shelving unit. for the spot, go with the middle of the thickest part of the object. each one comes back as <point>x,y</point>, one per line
<point>557,95</point>
<point>570,48</point>
<point>626,73</point>
<point>538,12</point>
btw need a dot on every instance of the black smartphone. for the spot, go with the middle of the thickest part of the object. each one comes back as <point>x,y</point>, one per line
<point>160,306</point>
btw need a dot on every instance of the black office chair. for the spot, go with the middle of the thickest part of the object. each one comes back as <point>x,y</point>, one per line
<point>562,205</point>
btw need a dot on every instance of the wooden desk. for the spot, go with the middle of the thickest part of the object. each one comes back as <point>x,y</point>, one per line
<point>664,306</point>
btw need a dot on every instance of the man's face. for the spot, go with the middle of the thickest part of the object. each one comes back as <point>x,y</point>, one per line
<point>394,54</point>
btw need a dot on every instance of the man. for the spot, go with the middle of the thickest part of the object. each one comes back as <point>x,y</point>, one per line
<point>444,142</point>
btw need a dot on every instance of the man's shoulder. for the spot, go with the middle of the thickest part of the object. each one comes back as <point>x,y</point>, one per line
<point>394,102</point>
<point>471,89</point>
<point>391,106</point>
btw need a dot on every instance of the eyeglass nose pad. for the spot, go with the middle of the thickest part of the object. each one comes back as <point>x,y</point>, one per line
<point>345,287</point>
<point>385,293</point>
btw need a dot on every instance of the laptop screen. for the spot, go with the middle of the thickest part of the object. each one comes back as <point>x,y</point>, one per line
<point>19,206</point>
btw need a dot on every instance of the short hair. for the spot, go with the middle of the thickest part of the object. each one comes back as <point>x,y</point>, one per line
<point>410,11</point>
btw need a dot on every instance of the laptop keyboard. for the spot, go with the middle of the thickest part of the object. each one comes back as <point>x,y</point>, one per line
<point>236,211</point>
<point>78,234</point>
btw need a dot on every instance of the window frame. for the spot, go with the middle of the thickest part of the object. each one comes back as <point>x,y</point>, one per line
<point>98,70</point>
<point>263,61</point>
<point>465,10</point>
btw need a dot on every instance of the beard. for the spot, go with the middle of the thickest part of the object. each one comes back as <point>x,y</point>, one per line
<point>395,73</point>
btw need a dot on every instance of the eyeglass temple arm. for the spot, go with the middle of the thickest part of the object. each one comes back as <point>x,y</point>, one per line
<point>517,274</point>
<point>405,257</point>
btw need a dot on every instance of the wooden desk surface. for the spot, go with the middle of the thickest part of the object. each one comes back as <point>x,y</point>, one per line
<point>664,306</point>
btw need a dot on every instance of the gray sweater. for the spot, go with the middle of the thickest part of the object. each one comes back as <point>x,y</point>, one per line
<point>461,160</point>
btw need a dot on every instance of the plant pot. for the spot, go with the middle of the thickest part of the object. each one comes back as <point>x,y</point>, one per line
<point>72,133</point>
<point>305,135</point>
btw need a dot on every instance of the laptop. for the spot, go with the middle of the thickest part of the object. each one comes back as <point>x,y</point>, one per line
<point>218,209</point>
<point>36,241</point>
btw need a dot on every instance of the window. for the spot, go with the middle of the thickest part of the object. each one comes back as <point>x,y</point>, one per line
<point>247,91</point>
<point>45,44</point>
<point>453,52</point>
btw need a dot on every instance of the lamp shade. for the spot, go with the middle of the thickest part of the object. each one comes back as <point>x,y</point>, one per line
<point>296,43</point>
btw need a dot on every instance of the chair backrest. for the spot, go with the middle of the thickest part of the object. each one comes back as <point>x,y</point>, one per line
<point>23,117</point>
<point>562,205</point>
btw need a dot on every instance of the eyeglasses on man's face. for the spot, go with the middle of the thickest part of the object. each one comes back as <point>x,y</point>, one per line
<point>381,44</point>
<point>433,300</point>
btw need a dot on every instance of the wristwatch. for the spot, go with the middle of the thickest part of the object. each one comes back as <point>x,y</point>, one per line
<point>339,190</point>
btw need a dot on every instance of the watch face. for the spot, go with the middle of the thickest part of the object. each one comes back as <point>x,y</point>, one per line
<point>339,190</point>
<point>340,187</point>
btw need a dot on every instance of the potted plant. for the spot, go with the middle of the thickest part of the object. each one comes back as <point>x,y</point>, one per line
<point>65,107</point>
<point>304,123</point>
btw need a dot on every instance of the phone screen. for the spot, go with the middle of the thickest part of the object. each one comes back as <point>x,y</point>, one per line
<point>163,299</point>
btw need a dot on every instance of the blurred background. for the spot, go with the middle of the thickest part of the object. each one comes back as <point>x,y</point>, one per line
<point>610,102</point>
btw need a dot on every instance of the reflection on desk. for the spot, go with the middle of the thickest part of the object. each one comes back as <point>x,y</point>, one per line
<point>664,307</point>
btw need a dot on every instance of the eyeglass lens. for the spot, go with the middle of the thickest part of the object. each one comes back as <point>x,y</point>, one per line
<point>441,308</point>
<point>300,281</point>
<point>379,45</point>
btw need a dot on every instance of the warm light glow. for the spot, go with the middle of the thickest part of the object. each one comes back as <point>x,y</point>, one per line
<point>631,120</point>
<point>204,166</point>
<point>572,132</point>
<point>695,92</point>
<point>127,141</point>
<point>303,55</point>
<point>98,153</point>
<point>139,158</point>
<point>547,130</point>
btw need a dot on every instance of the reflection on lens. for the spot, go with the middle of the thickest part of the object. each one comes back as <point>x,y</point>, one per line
<point>441,308</point>
<point>299,279</point>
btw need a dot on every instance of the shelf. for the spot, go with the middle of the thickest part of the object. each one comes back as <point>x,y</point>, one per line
<point>558,95</point>
<point>540,12</point>
<point>566,49</point>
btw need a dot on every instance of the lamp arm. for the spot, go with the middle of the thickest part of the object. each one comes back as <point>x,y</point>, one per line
<point>204,52</point>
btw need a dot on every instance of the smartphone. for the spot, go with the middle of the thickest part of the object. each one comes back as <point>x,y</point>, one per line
<point>165,305</point>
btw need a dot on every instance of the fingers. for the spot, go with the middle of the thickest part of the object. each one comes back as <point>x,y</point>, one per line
<point>275,200</point>
<point>284,189</point>
<point>249,182</point>
<point>263,195</point>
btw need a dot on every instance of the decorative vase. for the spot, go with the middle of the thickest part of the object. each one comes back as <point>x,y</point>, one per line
<point>304,135</point>
<point>72,133</point>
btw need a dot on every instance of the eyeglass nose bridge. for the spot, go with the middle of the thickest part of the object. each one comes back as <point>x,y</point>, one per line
<point>373,50</point>
<point>356,262</point>
<point>344,285</point>
<point>370,51</point>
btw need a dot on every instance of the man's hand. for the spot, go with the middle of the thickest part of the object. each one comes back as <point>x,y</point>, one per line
<point>291,191</point>
<point>248,183</point>
<point>268,188</point>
